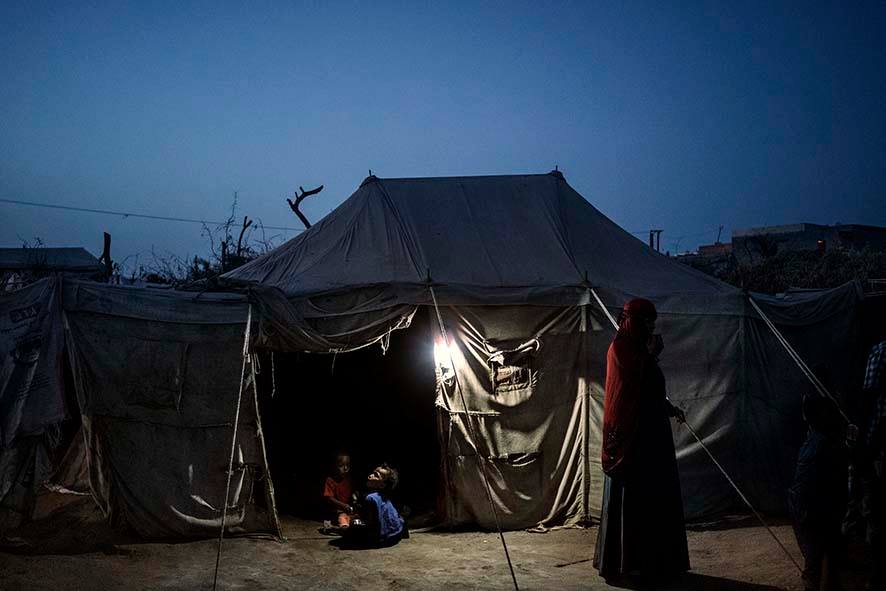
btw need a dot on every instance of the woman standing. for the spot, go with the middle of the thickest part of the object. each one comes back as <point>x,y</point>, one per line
<point>641,525</point>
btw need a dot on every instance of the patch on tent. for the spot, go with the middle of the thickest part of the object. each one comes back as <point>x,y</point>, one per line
<point>168,361</point>
<point>513,374</point>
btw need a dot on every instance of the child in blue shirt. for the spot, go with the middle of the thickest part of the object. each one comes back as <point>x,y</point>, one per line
<point>379,523</point>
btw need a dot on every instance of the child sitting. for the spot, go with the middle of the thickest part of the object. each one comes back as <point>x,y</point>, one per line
<point>379,523</point>
<point>337,491</point>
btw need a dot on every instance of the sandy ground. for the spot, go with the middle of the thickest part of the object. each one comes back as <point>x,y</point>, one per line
<point>75,550</point>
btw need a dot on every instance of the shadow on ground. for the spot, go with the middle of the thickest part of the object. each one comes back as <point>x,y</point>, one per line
<point>691,582</point>
<point>74,525</point>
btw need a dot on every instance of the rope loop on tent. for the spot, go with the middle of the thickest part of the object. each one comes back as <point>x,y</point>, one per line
<point>473,440</point>
<point>810,375</point>
<point>246,356</point>
<point>385,341</point>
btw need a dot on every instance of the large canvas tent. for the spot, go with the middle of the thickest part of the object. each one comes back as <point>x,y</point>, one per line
<point>521,273</point>
<point>515,269</point>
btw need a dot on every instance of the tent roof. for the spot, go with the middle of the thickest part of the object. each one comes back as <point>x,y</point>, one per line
<point>482,239</point>
<point>52,259</point>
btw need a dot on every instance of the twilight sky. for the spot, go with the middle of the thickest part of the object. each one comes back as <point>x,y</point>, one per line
<point>736,113</point>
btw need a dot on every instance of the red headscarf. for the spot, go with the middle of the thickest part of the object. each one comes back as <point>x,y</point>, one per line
<point>626,362</point>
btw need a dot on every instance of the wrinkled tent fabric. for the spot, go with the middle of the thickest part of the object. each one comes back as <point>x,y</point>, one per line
<point>522,239</point>
<point>823,329</point>
<point>305,326</point>
<point>525,243</point>
<point>157,375</point>
<point>529,407</point>
<point>32,400</point>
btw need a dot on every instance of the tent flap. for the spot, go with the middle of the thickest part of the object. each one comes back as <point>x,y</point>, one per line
<point>525,411</point>
<point>158,399</point>
<point>32,398</point>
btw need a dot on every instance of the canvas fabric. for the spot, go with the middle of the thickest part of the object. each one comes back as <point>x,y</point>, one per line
<point>480,240</point>
<point>31,342</point>
<point>528,414</point>
<point>32,397</point>
<point>157,377</point>
<point>739,388</point>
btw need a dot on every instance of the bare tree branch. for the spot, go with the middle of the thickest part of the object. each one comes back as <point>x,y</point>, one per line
<point>299,199</point>
<point>246,223</point>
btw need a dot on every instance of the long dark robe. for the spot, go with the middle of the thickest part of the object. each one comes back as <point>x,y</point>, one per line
<point>641,524</point>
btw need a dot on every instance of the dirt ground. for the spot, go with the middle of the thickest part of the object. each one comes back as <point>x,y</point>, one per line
<point>72,549</point>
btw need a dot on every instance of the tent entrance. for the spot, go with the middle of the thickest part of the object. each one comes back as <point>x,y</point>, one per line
<point>378,407</point>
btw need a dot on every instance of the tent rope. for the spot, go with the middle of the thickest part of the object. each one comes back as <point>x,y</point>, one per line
<point>221,533</point>
<point>743,498</point>
<point>473,441</point>
<point>273,377</point>
<point>716,463</point>
<point>816,383</point>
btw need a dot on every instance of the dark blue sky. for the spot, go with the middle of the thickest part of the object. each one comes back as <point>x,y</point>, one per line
<point>740,114</point>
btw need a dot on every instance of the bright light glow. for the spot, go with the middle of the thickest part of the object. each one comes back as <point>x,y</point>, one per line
<point>443,359</point>
<point>443,354</point>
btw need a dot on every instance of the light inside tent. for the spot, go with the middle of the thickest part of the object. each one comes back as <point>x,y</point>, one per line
<point>443,358</point>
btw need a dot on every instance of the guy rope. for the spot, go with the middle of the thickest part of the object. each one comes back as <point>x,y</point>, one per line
<point>473,440</point>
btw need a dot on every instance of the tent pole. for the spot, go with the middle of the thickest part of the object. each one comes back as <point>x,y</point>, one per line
<point>602,307</point>
<point>221,533</point>
<point>586,427</point>
<point>816,383</point>
<point>260,434</point>
<point>587,388</point>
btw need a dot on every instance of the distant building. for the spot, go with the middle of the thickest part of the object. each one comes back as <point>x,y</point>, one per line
<point>20,266</point>
<point>716,249</point>
<point>753,244</point>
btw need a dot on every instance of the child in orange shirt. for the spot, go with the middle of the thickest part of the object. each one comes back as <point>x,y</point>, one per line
<point>338,489</point>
